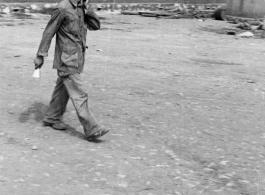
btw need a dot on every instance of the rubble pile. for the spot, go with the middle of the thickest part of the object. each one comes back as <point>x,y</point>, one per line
<point>31,8</point>
<point>165,11</point>
<point>251,25</point>
<point>177,11</point>
<point>241,27</point>
<point>246,25</point>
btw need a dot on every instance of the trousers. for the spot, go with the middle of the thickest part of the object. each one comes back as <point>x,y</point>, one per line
<point>70,87</point>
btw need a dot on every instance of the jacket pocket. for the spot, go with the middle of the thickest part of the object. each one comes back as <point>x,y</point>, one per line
<point>70,60</point>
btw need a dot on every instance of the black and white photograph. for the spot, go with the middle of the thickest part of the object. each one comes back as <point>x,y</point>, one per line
<point>132,97</point>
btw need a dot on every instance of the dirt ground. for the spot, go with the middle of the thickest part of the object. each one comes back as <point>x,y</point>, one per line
<point>185,108</point>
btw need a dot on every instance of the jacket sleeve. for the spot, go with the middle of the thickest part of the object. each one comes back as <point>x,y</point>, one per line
<point>92,19</point>
<point>49,32</point>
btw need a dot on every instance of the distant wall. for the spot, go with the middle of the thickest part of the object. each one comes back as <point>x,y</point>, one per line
<point>246,8</point>
<point>124,1</point>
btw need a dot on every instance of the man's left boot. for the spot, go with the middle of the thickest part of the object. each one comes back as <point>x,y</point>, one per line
<point>57,126</point>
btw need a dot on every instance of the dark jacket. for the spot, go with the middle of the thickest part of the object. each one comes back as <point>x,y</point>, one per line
<point>69,22</point>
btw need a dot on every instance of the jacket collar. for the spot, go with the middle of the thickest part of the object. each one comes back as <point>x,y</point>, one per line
<point>77,3</point>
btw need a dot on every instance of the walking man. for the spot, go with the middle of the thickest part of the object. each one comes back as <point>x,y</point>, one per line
<point>69,21</point>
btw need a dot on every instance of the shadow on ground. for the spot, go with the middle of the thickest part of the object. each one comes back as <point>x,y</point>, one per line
<point>36,112</point>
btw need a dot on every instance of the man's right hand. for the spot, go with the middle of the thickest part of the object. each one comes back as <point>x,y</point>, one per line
<point>38,61</point>
<point>86,4</point>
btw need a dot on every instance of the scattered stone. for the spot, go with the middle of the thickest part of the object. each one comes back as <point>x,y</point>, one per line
<point>98,173</point>
<point>230,184</point>
<point>143,147</point>
<point>107,156</point>
<point>219,190</point>
<point>123,184</point>
<point>95,179</point>
<point>33,7</point>
<point>244,181</point>
<point>251,81</point>
<point>152,153</point>
<point>177,193</point>
<point>162,165</point>
<point>121,176</point>
<point>6,10</point>
<point>19,180</point>
<point>224,163</point>
<point>136,158</point>
<point>191,185</point>
<point>208,170</point>
<point>114,134</point>
<point>34,148</point>
<point>223,177</point>
<point>211,165</point>
<point>47,5</point>
<point>47,174</point>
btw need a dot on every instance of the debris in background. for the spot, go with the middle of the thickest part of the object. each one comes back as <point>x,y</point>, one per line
<point>6,10</point>
<point>220,13</point>
<point>230,32</point>
<point>177,11</point>
<point>244,26</point>
<point>33,7</point>
<point>251,25</point>
<point>246,35</point>
<point>130,13</point>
